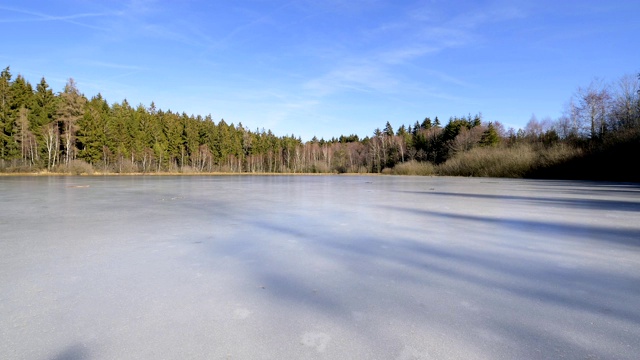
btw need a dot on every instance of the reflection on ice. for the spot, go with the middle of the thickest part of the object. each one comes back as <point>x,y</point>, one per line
<point>318,267</point>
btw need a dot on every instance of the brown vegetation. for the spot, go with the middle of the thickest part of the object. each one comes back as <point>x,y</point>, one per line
<point>510,162</point>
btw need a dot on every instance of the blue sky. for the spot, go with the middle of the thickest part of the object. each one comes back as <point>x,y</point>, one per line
<point>326,67</point>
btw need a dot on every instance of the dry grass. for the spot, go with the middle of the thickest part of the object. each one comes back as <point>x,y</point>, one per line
<point>518,161</point>
<point>412,168</point>
<point>512,162</point>
<point>75,167</point>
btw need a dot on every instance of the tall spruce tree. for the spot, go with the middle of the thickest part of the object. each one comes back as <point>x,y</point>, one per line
<point>44,108</point>
<point>93,132</point>
<point>5,105</point>
<point>18,124</point>
<point>69,112</point>
<point>490,136</point>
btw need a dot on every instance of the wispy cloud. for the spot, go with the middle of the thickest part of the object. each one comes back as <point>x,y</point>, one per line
<point>448,78</point>
<point>400,55</point>
<point>263,18</point>
<point>151,19</point>
<point>120,71</point>
<point>471,20</point>
<point>180,36</point>
<point>404,40</point>
<point>112,65</point>
<point>359,77</point>
<point>142,6</point>
<point>37,17</point>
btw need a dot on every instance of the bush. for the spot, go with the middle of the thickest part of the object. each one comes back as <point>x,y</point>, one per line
<point>601,161</point>
<point>490,162</point>
<point>127,167</point>
<point>411,168</point>
<point>319,167</point>
<point>557,154</point>
<point>186,169</point>
<point>75,167</point>
<point>20,169</point>
<point>509,162</point>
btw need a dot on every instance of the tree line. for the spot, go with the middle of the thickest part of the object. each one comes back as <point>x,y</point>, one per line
<point>42,130</point>
<point>67,132</point>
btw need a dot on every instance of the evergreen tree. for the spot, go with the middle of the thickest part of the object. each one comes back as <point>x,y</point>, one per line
<point>20,119</point>
<point>69,112</point>
<point>402,131</point>
<point>190,140</point>
<point>93,132</point>
<point>160,143</point>
<point>44,108</point>
<point>5,104</point>
<point>416,128</point>
<point>124,128</point>
<point>24,137</point>
<point>490,136</point>
<point>426,124</point>
<point>21,94</point>
<point>44,104</point>
<point>388,130</point>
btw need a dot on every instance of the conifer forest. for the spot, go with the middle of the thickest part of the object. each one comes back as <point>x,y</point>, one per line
<point>43,131</point>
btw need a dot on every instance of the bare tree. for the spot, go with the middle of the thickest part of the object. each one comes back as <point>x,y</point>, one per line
<point>563,127</point>
<point>594,106</point>
<point>626,112</point>
<point>533,129</point>
<point>467,139</point>
<point>570,123</point>
<point>500,129</point>
<point>377,148</point>
<point>536,129</point>
<point>52,143</point>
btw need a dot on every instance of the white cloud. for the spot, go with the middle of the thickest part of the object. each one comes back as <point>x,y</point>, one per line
<point>37,16</point>
<point>33,16</point>
<point>471,20</point>
<point>418,33</point>
<point>111,65</point>
<point>400,55</point>
<point>360,77</point>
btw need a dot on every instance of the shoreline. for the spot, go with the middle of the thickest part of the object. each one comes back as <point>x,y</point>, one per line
<point>98,174</point>
<point>248,174</point>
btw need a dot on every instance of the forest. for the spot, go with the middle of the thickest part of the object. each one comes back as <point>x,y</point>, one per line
<point>67,133</point>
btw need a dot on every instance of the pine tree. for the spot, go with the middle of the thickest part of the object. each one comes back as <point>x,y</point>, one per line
<point>388,130</point>
<point>18,124</point>
<point>5,99</point>
<point>120,123</point>
<point>426,124</point>
<point>44,108</point>
<point>416,128</point>
<point>70,111</point>
<point>93,133</point>
<point>490,136</point>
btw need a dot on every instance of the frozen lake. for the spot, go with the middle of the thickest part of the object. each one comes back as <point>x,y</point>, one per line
<point>331,267</point>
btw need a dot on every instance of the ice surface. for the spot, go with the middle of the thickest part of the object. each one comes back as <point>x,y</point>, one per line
<point>318,268</point>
